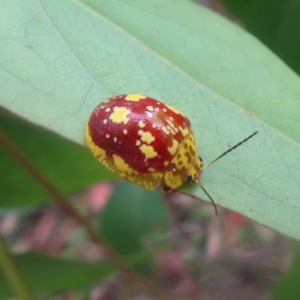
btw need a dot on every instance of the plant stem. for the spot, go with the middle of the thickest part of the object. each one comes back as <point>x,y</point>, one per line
<point>13,274</point>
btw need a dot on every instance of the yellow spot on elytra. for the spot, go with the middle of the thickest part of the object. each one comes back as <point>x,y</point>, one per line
<point>165,130</point>
<point>117,165</point>
<point>98,152</point>
<point>108,109</point>
<point>104,121</point>
<point>138,143</point>
<point>185,131</point>
<point>120,115</point>
<point>115,139</point>
<point>148,151</point>
<point>171,126</point>
<point>142,124</point>
<point>166,163</point>
<point>134,97</point>
<point>150,108</point>
<point>125,131</point>
<point>170,123</point>
<point>164,110</point>
<point>146,136</point>
<point>107,136</point>
<point>174,147</point>
<point>171,129</point>
<point>151,169</point>
<point>122,165</point>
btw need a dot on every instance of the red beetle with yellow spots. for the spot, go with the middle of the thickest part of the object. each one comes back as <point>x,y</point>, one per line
<point>146,142</point>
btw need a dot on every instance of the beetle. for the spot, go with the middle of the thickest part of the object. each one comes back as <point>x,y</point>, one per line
<point>147,142</point>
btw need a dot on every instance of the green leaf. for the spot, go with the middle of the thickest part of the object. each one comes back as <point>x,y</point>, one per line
<point>227,64</point>
<point>46,274</point>
<point>67,165</point>
<point>288,287</point>
<point>275,22</point>
<point>59,59</point>
<point>130,215</point>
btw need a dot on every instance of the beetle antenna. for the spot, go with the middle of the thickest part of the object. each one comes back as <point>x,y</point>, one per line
<point>209,196</point>
<point>209,164</point>
<point>206,193</point>
<point>232,148</point>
